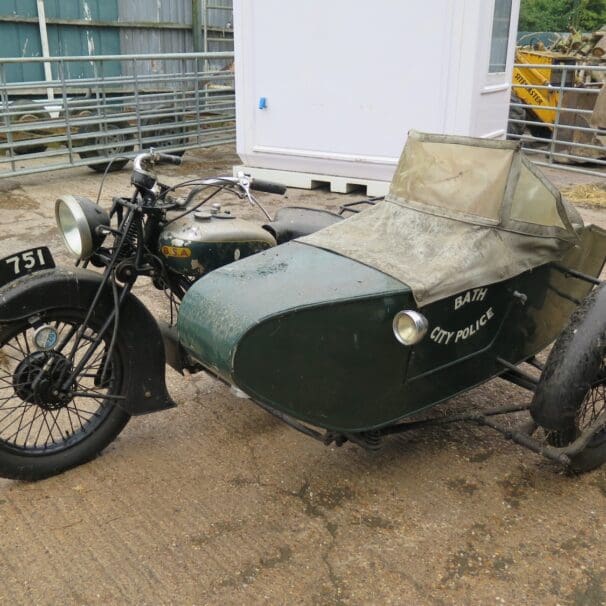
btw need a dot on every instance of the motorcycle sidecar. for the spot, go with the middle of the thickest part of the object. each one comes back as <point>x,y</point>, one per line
<point>471,265</point>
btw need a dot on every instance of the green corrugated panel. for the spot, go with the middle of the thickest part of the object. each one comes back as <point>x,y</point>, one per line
<point>20,40</point>
<point>25,8</point>
<point>67,40</point>
<point>23,39</point>
<point>94,10</point>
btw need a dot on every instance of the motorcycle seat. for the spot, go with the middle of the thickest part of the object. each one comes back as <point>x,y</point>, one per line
<point>293,222</point>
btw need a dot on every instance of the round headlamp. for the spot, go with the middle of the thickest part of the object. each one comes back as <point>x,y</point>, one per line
<point>78,219</point>
<point>409,326</point>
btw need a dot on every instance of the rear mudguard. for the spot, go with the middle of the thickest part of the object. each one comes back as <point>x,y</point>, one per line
<point>573,361</point>
<point>139,337</point>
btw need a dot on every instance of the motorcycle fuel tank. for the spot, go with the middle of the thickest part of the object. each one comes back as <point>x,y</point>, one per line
<point>202,241</point>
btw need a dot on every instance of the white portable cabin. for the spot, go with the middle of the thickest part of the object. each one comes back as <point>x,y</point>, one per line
<point>326,90</point>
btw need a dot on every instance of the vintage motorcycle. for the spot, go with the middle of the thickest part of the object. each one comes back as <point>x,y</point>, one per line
<point>79,351</point>
<point>470,266</point>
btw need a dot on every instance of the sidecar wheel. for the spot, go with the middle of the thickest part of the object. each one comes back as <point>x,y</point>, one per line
<point>590,407</point>
<point>44,430</point>
<point>571,393</point>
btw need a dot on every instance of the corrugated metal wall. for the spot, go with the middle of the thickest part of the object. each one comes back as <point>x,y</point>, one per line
<point>22,39</point>
<point>135,40</point>
<point>102,27</point>
<point>168,40</point>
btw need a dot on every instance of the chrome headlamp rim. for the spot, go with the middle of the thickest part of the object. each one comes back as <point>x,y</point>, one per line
<point>419,322</point>
<point>82,225</point>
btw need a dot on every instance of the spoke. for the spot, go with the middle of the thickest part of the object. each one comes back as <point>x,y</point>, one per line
<point>8,414</point>
<point>86,375</point>
<point>69,418</point>
<point>54,424</point>
<point>29,425</point>
<point>19,427</point>
<point>14,385</point>
<point>12,357</point>
<point>87,343</point>
<point>78,411</point>
<point>5,399</point>
<point>594,402</point>
<point>39,430</point>
<point>91,390</point>
<point>24,405</point>
<point>50,431</point>
<point>70,333</point>
<point>9,425</point>
<point>94,360</point>
<point>27,348</point>
<point>18,349</point>
<point>36,415</point>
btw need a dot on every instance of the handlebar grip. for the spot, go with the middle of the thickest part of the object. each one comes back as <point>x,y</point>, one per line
<point>169,159</point>
<point>268,187</point>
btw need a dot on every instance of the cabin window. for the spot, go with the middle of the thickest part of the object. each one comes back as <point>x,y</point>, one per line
<point>501,22</point>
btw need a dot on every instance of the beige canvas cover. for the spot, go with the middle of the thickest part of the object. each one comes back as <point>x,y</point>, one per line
<point>461,213</point>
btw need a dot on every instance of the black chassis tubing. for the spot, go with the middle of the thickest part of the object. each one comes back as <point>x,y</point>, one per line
<point>577,353</point>
<point>139,334</point>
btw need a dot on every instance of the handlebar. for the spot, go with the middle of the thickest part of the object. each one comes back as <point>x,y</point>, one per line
<point>247,182</point>
<point>141,161</point>
<point>168,159</point>
<point>144,178</point>
<point>267,187</point>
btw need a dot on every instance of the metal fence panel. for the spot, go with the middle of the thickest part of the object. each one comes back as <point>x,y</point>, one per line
<point>172,101</point>
<point>558,113</point>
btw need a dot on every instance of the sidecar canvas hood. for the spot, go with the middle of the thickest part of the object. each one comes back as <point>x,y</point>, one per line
<point>461,213</point>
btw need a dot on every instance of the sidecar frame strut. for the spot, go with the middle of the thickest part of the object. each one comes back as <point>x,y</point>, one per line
<point>522,435</point>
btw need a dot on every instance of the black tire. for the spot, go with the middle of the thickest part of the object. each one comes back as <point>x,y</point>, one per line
<point>540,132</point>
<point>515,129</point>
<point>572,391</point>
<point>594,454</point>
<point>167,127</point>
<point>29,115</point>
<point>42,434</point>
<point>121,146</point>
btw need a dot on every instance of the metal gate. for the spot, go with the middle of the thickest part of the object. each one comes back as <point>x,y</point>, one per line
<point>131,102</point>
<point>558,113</point>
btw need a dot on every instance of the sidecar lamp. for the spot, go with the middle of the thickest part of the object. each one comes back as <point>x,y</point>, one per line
<point>409,326</point>
<point>78,219</point>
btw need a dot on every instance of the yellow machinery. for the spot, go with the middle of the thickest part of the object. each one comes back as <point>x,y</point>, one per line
<point>538,98</point>
<point>541,91</point>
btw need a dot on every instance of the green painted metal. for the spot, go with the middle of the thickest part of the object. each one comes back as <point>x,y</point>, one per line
<point>20,40</point>
<point>309,332</point>
<point>223,305</point>
<point>23,39</point>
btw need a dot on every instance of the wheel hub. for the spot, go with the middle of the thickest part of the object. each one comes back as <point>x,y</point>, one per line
<point>38,379</point>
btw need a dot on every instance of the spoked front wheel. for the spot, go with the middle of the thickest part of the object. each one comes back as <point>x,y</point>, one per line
<point>589,409</point>
<point>49,422</point>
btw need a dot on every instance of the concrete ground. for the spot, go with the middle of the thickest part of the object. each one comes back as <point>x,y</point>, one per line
<point>216,502</point>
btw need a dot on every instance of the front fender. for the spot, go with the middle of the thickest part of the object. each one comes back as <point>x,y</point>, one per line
<point>139,336</point>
